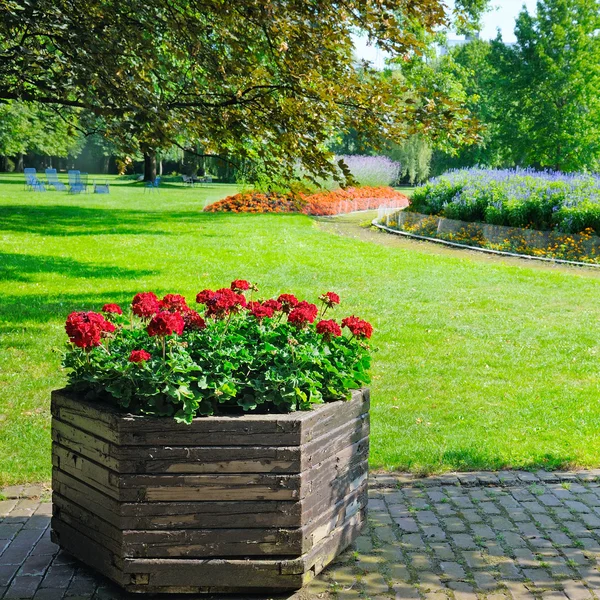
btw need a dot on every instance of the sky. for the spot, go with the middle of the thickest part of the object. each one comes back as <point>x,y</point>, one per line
<point>502,16</point>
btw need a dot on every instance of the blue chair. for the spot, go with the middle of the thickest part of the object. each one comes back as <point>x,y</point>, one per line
<point>32,183</point>
<point>101,188</point>
<point>77,182</point>
<point>152,185</point>
<point>52,179</point>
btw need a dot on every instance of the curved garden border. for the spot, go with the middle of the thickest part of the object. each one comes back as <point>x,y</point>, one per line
<point>479,249</point>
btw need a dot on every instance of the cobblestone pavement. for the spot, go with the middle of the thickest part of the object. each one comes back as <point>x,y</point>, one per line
<point>492,536</point>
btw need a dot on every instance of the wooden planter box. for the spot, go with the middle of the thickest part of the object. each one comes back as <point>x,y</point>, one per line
<point>233,504</point>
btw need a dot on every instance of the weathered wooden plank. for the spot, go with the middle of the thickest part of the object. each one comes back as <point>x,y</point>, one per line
<point>327,548</point>
<point>85,470</point>
<point>177,459</point>
<point>178,515</point>
<point>88,551</point>
<point>290,429</point>
<point>206,575</point>
<point>329,417</point>
<point>211,459</point>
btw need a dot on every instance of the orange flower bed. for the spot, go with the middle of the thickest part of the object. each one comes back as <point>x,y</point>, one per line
<point>321,203</point>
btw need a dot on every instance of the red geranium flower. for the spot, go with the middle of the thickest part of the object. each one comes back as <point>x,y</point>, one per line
<point>240,285</point>
<point>260,311</point>
<point>275,305</point>
<point>303,313</point>
<point>221,303</point>
<point>193,321</point>
<point>138,356</point>
<point>173,303</point>
<point>288,301</point>
<point>329,328</point>
<point>145,304</point>
<point>309,307</point>
<point>330,299</point>
<point>85,329</point>
<point>204,296</point>
<point>114,309</point>
<point>358,327</point>
<point>166,323</point>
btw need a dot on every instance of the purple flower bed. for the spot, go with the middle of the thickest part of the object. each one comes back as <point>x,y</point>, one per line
<point>372,171</point>
<point>544,200</point>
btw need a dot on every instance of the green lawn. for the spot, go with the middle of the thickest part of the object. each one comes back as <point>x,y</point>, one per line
<point>480,362</point>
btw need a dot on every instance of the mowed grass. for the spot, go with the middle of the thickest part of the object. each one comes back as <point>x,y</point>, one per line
<point>479,362</point>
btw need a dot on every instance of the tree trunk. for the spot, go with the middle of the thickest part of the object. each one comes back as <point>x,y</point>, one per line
<point>105,164</point>
<point>149,165</point>
<point>19,165</point>
<point>160,167</point>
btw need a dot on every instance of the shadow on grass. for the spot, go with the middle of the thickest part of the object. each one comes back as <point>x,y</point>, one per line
<point>61,220</point>
<point>26,267</point>
<point>44,308</point>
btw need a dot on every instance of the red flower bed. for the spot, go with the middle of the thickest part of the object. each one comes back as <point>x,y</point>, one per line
<point>321,203</point>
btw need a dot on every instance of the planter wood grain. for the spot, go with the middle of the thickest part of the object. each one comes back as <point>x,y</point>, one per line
<point>236,504</point>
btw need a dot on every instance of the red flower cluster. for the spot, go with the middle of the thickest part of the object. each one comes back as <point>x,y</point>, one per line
<point>240,285</point>
<point>303,313</point>
<point>330,299</point>
<point>173,303</point>
<point>138,356</point>
<point>85,329</point>
<point>358,327</point>
<point>329,328</point>
<point>221,303</point>
<point>114,309</point>
<point>193,321</point>
<point>145,305</point>
<point>288,301</point>
<point>166,323</point>
<point>260,310</point>
<point>274,305</point>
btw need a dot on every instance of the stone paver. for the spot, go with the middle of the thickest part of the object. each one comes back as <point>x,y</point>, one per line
<point>469,536</point>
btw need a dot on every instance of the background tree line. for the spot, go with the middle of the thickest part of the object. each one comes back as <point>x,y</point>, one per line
<point>231,89</point>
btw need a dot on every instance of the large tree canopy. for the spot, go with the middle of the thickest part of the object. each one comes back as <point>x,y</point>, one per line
<point>266,80</point>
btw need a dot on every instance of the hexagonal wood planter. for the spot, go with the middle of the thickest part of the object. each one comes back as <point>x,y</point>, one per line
<point>227,504</point>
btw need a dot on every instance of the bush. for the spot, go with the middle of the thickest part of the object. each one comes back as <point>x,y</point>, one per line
<point>515,198</point>
<point>320,203</point>
<point>162,358</point>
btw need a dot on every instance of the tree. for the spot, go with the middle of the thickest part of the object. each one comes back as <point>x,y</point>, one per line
<point>29,127</point>
<point>268,82</point>
<point>549,84</point>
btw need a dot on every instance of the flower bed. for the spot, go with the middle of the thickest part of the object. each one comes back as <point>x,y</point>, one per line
<point>584,247</point>
<point>543,201</point>
<point>320,203</point>
<point>239,354</point>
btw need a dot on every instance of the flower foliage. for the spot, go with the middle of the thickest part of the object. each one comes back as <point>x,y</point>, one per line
<point>237,354</point>
<point>320,203</point>
<point>542,200</point>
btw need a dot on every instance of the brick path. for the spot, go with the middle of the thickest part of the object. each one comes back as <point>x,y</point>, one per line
<point>512,535</point>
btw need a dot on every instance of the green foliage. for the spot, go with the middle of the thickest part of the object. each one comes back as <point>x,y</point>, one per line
<point>29,127</point>
<point>267,83</point>
<point>414,156</point>
<point>236,364</point>
<point>548,86</point>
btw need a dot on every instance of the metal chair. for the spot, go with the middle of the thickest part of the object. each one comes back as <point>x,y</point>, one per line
<point>52,179</point>
<point>76,183</point>
<point>32,183</point>
<point>101,188</point>
<point>152,185</point>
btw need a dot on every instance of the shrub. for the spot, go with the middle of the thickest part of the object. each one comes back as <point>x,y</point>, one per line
<point>163,358</point>
<point>515,198</point>
<point>320,203</point>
